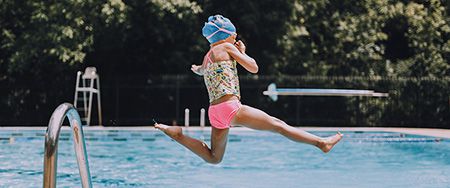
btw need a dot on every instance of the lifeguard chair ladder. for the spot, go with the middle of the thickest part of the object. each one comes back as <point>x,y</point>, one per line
<point>87,84</point>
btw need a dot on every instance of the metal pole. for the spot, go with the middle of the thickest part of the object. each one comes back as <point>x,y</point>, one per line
<point>75,100</point>
<point>91,94</point>
<point>84,85</point>
<point>202,117</point>
<point>186,117</point>
<point>99,104</point>
<point>51,145</point>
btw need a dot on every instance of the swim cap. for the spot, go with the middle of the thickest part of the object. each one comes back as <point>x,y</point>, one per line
<point>218,28</point>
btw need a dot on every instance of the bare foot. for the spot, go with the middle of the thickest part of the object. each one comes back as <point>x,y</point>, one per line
<point>328,143</point>
<point>174,132</point>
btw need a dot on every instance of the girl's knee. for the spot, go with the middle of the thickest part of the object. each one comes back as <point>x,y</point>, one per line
<point>214,160</point>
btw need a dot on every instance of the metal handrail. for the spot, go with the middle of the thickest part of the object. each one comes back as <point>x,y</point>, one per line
<point>51,145</point>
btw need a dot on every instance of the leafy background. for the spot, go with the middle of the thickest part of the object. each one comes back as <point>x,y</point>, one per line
<point>143,51</point>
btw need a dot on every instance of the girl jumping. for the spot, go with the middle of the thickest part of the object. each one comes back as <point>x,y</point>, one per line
<point>221,79</point>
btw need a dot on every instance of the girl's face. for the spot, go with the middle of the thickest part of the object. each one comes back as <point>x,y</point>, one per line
<point>231,39</point>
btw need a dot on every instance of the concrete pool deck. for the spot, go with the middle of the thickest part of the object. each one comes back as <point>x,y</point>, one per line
<point>441,133</point>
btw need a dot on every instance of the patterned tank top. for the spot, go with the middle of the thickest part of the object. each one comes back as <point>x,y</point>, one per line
<point>220,78</point>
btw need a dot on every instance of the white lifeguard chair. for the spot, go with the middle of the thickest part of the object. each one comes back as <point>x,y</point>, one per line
<point>89,85</point>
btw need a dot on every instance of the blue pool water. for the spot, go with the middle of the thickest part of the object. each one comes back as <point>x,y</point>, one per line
<point>253,159</point>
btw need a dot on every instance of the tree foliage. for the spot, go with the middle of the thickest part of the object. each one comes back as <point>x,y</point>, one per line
<point>43,43</point>
<point>367,38</point>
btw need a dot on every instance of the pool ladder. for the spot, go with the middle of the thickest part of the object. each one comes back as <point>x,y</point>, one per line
<point>51,145</point>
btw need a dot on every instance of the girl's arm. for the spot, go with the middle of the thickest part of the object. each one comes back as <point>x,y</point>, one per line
<point>237,52</point>
<point>199,69</point>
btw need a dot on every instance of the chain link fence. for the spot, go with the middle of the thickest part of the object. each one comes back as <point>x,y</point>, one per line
<point>412,102</point>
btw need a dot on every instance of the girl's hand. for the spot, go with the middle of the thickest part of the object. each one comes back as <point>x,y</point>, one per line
<point>240,46</point>
<point>197,69</point>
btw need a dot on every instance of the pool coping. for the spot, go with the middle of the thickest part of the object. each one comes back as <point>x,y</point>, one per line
<point>435,132</point>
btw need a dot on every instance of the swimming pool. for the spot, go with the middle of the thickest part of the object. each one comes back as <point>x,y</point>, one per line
<point>147,158</point>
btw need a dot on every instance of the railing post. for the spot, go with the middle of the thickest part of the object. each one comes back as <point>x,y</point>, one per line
<point>202,117</point>
<point>186,117</point>
<point>51,145</point>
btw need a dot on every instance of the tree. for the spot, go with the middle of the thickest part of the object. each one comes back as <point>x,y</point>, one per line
<point>42,42</point>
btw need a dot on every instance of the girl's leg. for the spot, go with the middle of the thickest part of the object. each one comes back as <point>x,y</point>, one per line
<point>256,119</point>
<point>214,155</point>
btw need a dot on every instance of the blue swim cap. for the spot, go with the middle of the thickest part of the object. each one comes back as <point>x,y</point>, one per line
<point>218,28</point>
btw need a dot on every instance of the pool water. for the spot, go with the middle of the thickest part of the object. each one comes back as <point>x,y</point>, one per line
<point>252,159</point>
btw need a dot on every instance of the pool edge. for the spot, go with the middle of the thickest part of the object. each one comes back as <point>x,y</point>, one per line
<point>435,132</point>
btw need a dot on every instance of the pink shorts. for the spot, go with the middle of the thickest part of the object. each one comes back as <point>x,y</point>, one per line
<point>221,115</point>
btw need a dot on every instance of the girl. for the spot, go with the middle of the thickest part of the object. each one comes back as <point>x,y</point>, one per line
<point>221,79</point>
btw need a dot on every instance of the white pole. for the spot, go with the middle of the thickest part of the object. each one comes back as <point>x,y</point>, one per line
<point>202,117</point>
<point>186,117</point>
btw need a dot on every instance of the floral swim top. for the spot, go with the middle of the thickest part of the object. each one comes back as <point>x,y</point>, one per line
<point>221,78</point>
